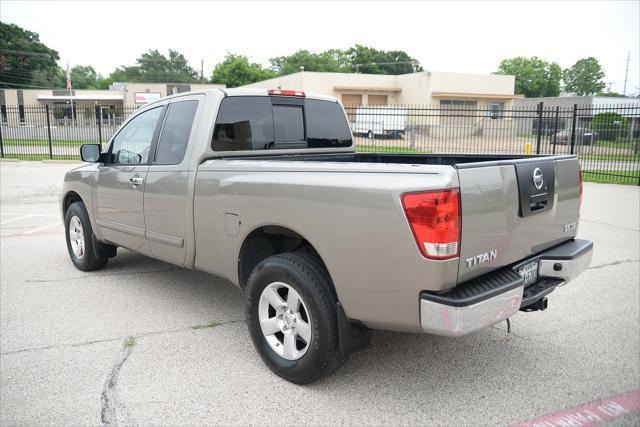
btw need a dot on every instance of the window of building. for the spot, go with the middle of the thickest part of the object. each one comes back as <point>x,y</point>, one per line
<point>175,132</point>
<point>495,110</point>
<point>458,103</point>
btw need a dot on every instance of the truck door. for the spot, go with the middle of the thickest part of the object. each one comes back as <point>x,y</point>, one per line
<point>167,195</point>
<point>121,182</point>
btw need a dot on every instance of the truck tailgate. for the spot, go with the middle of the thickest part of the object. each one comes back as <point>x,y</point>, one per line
<point>513,209</point>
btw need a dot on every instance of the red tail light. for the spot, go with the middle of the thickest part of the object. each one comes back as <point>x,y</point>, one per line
<point>282,92</point>
<point>580,193</point>
<point>434,217</point>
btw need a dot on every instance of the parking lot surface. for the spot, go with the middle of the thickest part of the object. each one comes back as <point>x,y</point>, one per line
<point>144,342</point>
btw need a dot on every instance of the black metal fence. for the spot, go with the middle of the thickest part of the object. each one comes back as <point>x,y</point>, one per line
<point>606,138</point>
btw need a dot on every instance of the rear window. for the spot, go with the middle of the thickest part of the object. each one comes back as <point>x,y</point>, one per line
<point>262,123</point>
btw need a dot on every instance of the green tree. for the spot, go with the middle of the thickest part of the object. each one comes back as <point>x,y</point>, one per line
<point>25,61</point>
<point>236,70</point>
<point>84,77</point>
<point>611,94</point>
<point>368,60</point>
<point>610,126</point>
<point>153,67</point>
<point>534,76</point>
<point>332,60</point>
<point>584,77</point>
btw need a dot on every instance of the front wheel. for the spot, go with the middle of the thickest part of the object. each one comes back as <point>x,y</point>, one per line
<point>79,236</point>
<point>292,319</point>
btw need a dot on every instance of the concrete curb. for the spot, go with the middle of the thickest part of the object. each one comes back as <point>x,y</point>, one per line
<point>39,161</point>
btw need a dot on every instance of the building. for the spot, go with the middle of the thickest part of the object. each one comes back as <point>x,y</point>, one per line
<point>490,91</point>
<point>15,104</point>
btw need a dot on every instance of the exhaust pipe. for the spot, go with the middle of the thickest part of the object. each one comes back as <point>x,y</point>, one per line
<point>541,305</point>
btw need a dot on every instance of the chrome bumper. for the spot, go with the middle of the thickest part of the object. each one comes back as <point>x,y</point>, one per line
<point>459,314</point>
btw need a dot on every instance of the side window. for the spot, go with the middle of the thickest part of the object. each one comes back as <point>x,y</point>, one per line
<point>244,123</point>
<point>133,142</point>
<point>175,133</point>
<point>326,125</point>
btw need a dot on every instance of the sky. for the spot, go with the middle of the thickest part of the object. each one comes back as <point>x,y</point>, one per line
<point>467,37</point>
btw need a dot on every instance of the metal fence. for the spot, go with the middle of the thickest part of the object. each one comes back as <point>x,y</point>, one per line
<point>606,138</point>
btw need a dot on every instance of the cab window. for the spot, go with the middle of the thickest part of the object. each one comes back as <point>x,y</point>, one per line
<point>133,143</point>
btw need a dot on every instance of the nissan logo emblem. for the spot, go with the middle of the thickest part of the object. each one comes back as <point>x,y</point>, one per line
<point>538,179</point>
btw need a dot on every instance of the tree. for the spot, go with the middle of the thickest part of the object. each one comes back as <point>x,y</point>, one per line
<point>332,60</point>
<point>236,70</point>
<point>358,59</point>
<point>584,77</point>
<point>25,61</point>
<point>154,67</point>
<point>372,61</point>
<point>611,94</point>
<point>84,77</point>
<point>610,126</point>
<point>534,76</point>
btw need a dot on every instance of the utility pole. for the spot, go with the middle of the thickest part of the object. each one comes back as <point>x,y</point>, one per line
<point>626,73</point>
<point>201,69</point>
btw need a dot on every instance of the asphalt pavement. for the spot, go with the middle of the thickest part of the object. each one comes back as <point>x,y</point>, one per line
<point>144,342</point>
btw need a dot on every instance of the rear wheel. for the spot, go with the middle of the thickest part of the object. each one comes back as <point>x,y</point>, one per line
<point>79,236</point>
<point>370,134</point>
<point>292,318</point>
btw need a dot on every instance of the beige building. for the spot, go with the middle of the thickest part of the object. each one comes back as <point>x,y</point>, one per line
<point>423,88</point>
<point>16,104</point>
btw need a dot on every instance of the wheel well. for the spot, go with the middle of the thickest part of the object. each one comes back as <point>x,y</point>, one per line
<point>270,240</point>
<point>69,198</point>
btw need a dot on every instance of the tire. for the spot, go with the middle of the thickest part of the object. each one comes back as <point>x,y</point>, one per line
<point>315,354</point>
<point>85,258</point>
<point>370,134</point>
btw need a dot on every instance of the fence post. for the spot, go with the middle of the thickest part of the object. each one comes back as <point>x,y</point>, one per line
<point>99,121</point>
<point>573,128</point>
<point>46,108</point>
<point>1,143</point>
<point>555,128</point>
<point>539,133</point>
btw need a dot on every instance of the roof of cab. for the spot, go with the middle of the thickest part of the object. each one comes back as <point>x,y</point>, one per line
<point>240,91</point>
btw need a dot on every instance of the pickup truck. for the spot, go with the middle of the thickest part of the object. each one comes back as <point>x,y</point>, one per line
<point>265,188</point>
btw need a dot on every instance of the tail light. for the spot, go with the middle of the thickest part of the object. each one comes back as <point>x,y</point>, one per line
<point>282,92</point>
<point>434,217</point>
<point>580,193</point>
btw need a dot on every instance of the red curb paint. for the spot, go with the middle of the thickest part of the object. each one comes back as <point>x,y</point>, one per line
<point>589,414</point>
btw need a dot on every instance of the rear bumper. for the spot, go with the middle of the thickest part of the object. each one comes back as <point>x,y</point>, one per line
<point>489,299</point>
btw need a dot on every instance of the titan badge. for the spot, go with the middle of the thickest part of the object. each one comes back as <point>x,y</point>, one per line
<point>483,257</point>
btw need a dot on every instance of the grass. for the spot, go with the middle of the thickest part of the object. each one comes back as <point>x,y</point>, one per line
<point>610,177</point>
<point>206,325</point>
<point>614,144</point>
<point>45,143</point>
<point>130,342</point>
<point>397,150</point>
<point>36,157</point>
<point>613,157</point>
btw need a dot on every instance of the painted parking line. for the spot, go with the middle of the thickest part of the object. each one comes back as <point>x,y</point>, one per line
<point>589,414</point>
<point>15,219</point>
<point>41,228</point>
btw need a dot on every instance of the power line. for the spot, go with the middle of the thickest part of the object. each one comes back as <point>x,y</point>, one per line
<point>26,53</point>
<point>25,85</point>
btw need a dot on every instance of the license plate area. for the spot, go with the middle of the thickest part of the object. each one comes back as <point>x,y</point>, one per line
<point>529,272</point>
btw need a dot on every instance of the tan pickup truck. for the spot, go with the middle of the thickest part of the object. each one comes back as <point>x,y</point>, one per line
<point>265,189</point>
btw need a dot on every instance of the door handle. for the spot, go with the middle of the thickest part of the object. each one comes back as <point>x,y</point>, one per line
<point>136,181</point>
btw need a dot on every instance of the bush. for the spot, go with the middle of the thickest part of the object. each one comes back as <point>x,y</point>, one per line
<point>610,126</point>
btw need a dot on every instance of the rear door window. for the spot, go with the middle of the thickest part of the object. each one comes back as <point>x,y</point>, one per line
<point>175,132</point>
<point>244,123</point>
<point>262,123</point>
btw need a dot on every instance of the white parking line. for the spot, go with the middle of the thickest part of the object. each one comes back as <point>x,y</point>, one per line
<point>41,228</point>
<point>15,219</point>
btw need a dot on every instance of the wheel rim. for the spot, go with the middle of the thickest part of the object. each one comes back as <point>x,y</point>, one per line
<point>76,237</point>
<point>285,320</point>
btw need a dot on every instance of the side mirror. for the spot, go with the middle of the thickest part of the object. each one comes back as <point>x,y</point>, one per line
<point>90,153</point>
